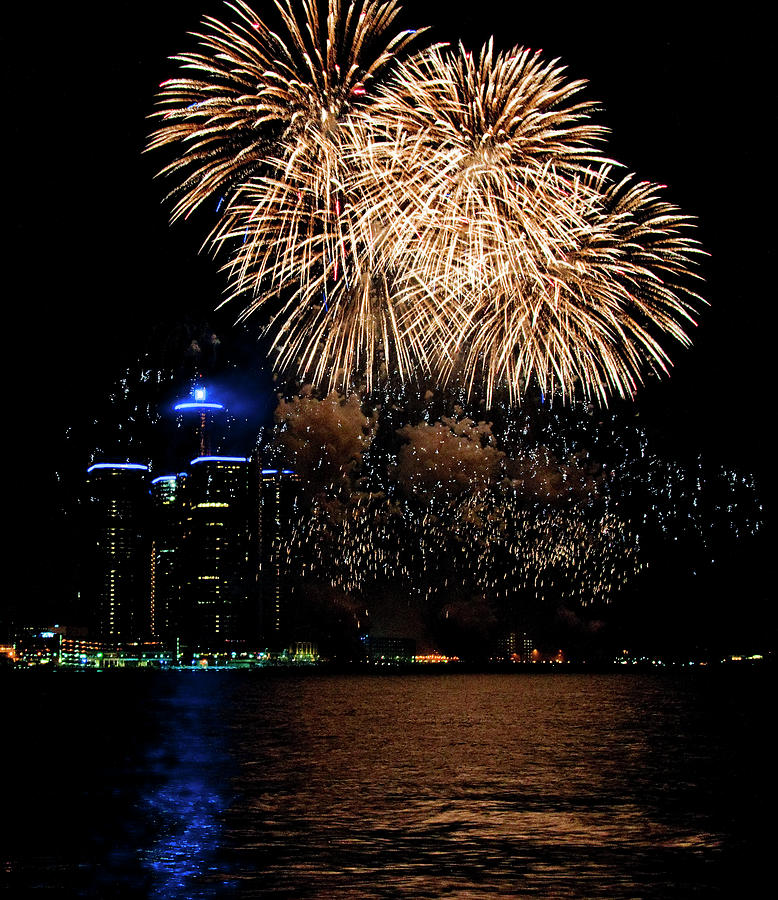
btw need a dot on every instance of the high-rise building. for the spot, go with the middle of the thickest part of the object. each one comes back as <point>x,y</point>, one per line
<point>278,502</point>
<point>219,552</point>
<point>199,559</point>
<point>166,529</point>
<point>117,553</point>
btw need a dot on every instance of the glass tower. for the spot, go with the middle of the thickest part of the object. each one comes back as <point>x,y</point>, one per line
<point>219,550</point>
<point>278,502</point>
<point>117,515</point>
<point>165,568</point>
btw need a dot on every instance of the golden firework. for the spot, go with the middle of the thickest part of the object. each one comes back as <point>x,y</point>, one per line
<point>262,123</point>
<point>518,256</point>
<point>444,212</point>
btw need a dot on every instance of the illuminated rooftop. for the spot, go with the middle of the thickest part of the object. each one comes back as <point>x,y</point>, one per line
<point>193,404</point>
<point>229,459</point>
<point>107,465</point>
<point>199,402</point>
<point>168,477</point>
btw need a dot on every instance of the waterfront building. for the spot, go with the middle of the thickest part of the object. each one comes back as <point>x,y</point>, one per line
<point>200,558</point>
<point>117,511</point>
<point>380,649</point>
<point>219,551</point>
<point>165,575</point>
<point>304,652</point>
<point>278,506</point>
<point>514,645</point>
<point>38,646</point>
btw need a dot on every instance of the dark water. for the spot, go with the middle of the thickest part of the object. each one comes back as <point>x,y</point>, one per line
<point>199,785</point>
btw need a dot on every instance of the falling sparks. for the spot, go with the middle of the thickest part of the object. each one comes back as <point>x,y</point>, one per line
<point>491,545</point>
<point>538,511</point>
<point>447,513</point>
<point>445,213</point>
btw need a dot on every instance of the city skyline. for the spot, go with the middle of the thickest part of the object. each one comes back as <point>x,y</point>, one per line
<point>106,238</point>
<point>606,571</point>
<point>620,533</point>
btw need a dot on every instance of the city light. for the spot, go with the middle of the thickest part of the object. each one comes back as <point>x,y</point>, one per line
<point>189,404</point>
<point>228,459</point>
<point>137,466</point>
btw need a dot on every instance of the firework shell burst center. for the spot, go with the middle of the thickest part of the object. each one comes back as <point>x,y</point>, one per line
<point>394,209</point>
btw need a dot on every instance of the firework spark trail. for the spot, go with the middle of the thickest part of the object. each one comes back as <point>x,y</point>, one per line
<point>488,544</point>
<point>521,529</point>
<point>262,130</point>
<point>444,212</point>
<point>518,253</point>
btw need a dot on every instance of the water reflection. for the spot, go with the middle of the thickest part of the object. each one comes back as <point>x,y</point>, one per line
<point>187,801</point>
<point>200,785</point>
<point>469,787</point>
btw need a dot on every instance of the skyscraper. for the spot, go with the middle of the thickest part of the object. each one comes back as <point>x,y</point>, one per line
<point>200,557</point>
<point>278,501</point>
<point>166,529</point>
<point>219,552</point>
<point>117,550</point>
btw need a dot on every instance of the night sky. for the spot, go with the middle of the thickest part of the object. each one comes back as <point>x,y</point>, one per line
<point>91,262</point>
<point>94,261</point>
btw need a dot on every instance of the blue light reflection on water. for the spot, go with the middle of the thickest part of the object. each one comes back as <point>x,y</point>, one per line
<point>187,805</point>
<point>190,837</point>
<point>119,785</point>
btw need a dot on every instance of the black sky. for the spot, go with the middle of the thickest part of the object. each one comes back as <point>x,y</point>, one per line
<point>91,260</point>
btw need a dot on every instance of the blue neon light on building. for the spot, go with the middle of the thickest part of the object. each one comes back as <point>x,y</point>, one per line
<point>117,466</point>
<point>235,459</point>
<point>190,404</point>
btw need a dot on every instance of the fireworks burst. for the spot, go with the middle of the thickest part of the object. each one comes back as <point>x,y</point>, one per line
<point>519,257</point>
<point>445,213</point>
<point>263,129</point>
